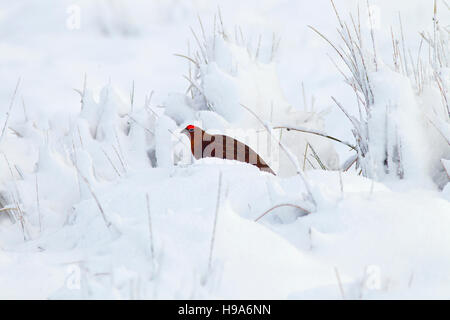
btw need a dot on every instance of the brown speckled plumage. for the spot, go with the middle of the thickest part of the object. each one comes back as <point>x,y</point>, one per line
<point>220,146</point>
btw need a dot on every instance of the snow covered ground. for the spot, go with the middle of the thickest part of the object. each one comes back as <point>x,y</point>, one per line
<point>104,201</point>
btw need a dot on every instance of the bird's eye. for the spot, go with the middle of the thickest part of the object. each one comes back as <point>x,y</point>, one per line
<point>191,130</point>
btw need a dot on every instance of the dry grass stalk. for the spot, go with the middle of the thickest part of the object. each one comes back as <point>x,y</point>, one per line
<point>150,229</point>
<point>8,209</point>
<point>341,183</point>
<point>119,153</point>
<point>291,157</point>
<point>110,161</point>
<point>20,214</point>
<point>372,36</point>
<point>410,281</point>
<point>140,125</point>
<point>24,110</point>
<point>317,158</point>
<point>13,98</point>
<point>341,288</point>
<point>132,97</point>
<point>38,203</point>
<point>304,155</point>
<point>108,224</point>
<point>213,236</point>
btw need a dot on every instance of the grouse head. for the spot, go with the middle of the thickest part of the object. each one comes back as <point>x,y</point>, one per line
<point>192,130</point>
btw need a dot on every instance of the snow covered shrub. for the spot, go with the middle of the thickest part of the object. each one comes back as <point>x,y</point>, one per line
<point>49,164</point>
<point>229,73</point>
<point>117,134</point>
<point>402,127</point>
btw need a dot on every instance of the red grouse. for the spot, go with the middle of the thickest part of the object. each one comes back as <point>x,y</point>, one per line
<point>220,146</point>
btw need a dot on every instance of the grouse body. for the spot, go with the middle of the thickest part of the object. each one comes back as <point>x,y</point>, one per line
<point>224,147</point>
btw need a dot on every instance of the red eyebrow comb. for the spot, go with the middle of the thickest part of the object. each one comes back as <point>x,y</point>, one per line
<point>189,127</point>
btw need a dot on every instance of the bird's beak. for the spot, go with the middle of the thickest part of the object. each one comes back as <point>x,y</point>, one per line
<point>184,131</point>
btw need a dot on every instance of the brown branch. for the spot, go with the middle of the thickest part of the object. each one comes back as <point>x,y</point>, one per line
<point>317,133</point>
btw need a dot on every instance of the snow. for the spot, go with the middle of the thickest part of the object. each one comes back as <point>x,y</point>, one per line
<point>77,166</point>
<point>397,100</point>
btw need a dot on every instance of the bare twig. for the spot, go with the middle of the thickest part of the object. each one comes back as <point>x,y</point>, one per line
<point>315,132</point>
<point>283,205</point>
